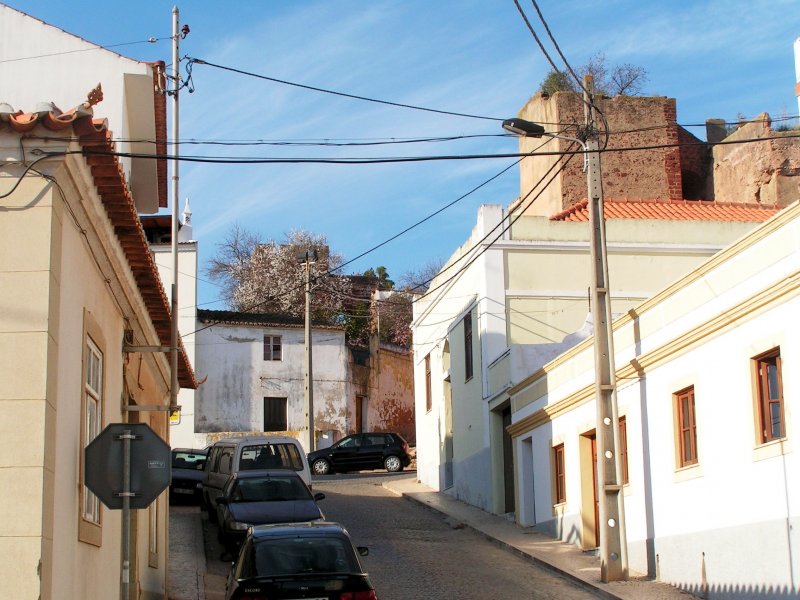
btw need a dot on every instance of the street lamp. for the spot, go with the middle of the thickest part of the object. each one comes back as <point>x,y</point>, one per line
<point>613,545</point>
<point>307,257</point>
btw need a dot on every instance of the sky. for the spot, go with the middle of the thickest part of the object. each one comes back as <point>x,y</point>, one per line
<point>717,58</point>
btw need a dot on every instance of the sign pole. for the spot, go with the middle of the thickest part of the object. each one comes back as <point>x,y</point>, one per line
<point>126,438</point>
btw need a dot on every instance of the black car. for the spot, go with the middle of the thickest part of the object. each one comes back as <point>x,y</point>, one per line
<point>362,451</point>
<point>187,474</point>
<point>309,560</point>
<point>263,496</point>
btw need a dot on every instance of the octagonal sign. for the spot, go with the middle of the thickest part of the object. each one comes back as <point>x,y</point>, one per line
<point>151,469</point>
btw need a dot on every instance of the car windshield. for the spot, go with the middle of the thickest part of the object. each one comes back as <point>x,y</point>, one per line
<point>290,556</point>
<point>268,488</point>
<point>271,456</point>
<point>188,460</point>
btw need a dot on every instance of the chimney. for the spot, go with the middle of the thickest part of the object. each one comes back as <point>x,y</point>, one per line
<point>715,130</point>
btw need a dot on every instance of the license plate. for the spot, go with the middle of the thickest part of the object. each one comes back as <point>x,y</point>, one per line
<point>182,491</point>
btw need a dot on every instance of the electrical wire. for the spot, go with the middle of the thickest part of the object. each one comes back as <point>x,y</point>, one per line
<point>407,159</point>
<point>591,104</point>
<point>484,248</point>
<point>396,140</point>
<point>151,40</point>
<point>337,93</point>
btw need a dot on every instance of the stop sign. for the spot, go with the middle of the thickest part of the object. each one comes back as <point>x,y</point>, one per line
<point>151,469</point>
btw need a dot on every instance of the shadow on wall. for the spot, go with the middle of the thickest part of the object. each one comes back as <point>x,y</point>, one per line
<point>739,591</point>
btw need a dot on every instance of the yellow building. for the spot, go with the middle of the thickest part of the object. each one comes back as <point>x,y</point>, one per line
<point>77,282</point>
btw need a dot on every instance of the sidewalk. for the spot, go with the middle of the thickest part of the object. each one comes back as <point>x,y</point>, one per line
<point>565,559</point>
<point>187,558</point>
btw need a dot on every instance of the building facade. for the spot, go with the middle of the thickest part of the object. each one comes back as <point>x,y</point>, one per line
<point>255,369</point>
<point>80,293</point>
<point>520,301</point>
<point>707,388</point>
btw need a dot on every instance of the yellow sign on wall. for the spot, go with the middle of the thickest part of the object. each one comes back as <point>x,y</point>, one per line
<point>175,416</point>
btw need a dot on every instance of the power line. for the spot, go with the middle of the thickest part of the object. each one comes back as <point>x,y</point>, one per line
<point>151,40</point>
<point>337,93</point>
<point>406,159</point>
<point>522,210</point>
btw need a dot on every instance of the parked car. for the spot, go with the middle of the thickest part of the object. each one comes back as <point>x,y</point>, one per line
<point>232,455</point>
<point>259,497</point>
<point>187,474</point>
<point>362,451</point>
<point>310,560</point>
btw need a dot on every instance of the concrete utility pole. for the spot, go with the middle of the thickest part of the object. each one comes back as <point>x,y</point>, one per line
<point>173,353</point>
<point>613,544</point>
<point>307,258</point>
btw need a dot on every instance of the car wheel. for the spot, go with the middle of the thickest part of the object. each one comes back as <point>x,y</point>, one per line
<point>393,464</point>
<point>321,466</point>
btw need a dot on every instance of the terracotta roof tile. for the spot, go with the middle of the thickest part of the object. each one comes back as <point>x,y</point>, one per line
<point>672,210</point>
<point>98,149</point>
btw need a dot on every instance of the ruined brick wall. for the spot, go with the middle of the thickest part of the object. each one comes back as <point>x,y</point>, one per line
<point>765,172</point>
<point>695,158</point>
<point>391,399</point>
<point>633,122</point>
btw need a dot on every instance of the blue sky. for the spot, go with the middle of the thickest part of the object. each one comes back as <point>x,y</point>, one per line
<point>717,58</point>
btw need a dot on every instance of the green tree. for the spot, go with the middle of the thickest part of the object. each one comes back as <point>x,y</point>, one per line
<point>624,79</point>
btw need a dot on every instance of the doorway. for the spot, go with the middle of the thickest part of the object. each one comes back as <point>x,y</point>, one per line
<point>590,506</point>
<point>508,462</point>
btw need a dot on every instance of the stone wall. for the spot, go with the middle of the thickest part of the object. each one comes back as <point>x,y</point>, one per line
<point>634,122</point>
<point>764,172</point>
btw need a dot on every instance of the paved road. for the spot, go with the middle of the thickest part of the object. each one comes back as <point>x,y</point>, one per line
<point>416,553</point>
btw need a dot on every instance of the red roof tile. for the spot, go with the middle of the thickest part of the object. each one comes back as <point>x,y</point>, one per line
<point>671,210</point>
<point>98,148</point>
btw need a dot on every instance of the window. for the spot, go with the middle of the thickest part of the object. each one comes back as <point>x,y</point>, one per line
<point>92,412</point>
<point>272,347</point>
<point>428,397</point>
<point>770,396</point>
<point>468,346</point>
<point>558,473</point>
<point>687,427</point>
<point>225,461</point>
<point>275,414</point>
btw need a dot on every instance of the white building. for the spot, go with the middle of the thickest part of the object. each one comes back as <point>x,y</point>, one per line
<point>708,373</point>
<point>507,303</point>
<point>182,431</point>
<point>255,369</point>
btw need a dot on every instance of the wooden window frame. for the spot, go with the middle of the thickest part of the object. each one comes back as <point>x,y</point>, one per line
<point>685,427</point>
<point>428,391</point>
<point>273,350</point>
<point>559,475</point>
<point>468,358</point>
<point>766,398</point>
<point>90,530</point>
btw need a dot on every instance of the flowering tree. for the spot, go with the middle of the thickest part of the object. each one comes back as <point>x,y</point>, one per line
<point>268,277</point>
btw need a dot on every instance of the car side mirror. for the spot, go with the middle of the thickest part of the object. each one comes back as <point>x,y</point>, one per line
<point>319,496</point>
<point>362,550</point>
<point>222,501</point>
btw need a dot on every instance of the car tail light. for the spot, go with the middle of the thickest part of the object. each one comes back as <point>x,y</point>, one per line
<point>370,595</point>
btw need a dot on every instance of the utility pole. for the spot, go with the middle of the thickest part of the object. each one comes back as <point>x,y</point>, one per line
<point>613,544</point>
<point>173,387</point>
<point>307,258</point>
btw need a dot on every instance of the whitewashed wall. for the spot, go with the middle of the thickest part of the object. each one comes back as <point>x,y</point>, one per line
<point>232,398</point>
